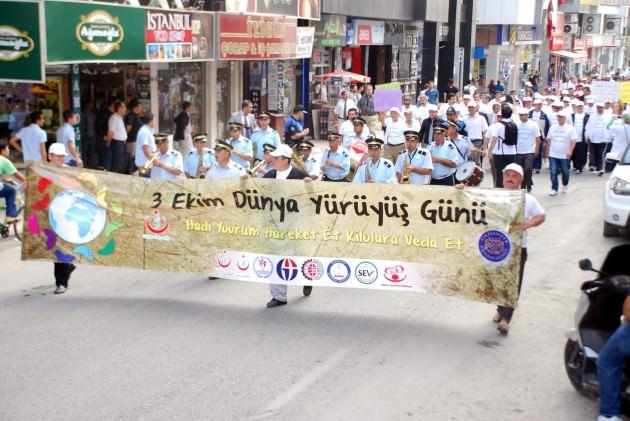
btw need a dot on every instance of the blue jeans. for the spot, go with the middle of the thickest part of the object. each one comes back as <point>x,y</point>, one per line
<point>561,164</point>
<point>8,192</point>
<point>609,369</point>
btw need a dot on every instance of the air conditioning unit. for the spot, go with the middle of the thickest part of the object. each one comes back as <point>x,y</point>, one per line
<point>570,29</point>
<point>592,24</point>
<point>612,25</point>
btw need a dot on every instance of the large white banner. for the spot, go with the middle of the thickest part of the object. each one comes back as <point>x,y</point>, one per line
<point>605,90</point>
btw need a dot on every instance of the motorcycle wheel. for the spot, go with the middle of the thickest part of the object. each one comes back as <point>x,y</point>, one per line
<point>573,361</point>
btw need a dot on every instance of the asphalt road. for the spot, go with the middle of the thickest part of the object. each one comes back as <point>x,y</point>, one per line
<point>129,344</point>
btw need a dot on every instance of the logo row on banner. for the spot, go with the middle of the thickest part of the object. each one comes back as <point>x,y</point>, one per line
<point>332,272</point>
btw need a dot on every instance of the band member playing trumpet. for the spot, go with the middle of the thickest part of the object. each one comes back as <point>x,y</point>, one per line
<point>145,144</point>
<point>375,169</point>
<point>265,165</point>
<point>225,168</point>
<point>414,164</point>
<point>445,157</point>
<point>282,170</point>
<point>169,164</point>
<point>335,163</point>
<point>200,159</point>
<point>304,151</point>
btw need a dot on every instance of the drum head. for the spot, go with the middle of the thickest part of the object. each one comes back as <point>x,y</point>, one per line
<point>465,171</point>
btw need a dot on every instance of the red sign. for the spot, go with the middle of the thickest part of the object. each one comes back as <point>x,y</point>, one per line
<point>174,35</point>
<point>557,43</point>
<point>256,37</point>
<point>578,44</point>
<point>364,35</point>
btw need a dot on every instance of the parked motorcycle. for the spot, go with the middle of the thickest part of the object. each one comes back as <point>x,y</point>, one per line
<point>596,319</point>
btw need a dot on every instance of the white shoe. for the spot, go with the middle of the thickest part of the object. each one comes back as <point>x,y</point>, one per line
<point>553,193</point>
<point>60,290</point>
<point>593,172</point>
<point>565,189</point>
<point>604,418</point>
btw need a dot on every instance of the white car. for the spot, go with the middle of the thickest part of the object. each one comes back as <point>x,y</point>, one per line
<point>617,196</point>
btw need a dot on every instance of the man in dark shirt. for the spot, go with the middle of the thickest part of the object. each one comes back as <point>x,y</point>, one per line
<point>450,89</point>
<point>102,120</point>
<point>132,125</point>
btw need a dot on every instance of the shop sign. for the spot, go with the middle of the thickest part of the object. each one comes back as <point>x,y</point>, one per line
<point>589,41</point>
<point>177,36</point>
<point>82,31</point>
<point>304,41</point>
<point>331,31</point>
<point>256,37</point>
<point>557,43</point>
<point>20,43</point>
<point>578,44</point>
<point>523,35</point>
<point>277,7</point>
<point>366,32</point>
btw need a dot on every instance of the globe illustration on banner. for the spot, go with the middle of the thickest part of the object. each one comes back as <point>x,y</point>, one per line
<point>76,217</point>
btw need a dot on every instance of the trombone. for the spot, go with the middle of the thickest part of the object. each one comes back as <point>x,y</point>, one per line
<point>298,161</point>
<point>404,179</point>
<point>146,168</point>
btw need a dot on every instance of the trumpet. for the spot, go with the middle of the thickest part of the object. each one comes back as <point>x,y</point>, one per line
<point>368,173</point>
<point>144,170</point>
<point>298,161</point>
<point>404,179</point>
<point>261,164</point>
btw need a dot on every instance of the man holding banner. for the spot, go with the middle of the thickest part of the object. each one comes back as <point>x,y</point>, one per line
<point>283,170</point>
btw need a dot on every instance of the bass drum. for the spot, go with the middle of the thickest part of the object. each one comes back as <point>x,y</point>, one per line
<point>470,174</point>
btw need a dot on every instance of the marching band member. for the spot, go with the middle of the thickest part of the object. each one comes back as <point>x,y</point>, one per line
<point>266,135</point>
<point>304,150</point>
<point>242,150</point>
<point>282,170</point>
<point>414,162</point>
<point>169,165</point>
<point>200,159</point>
<point>346,129</point>
<point>335,162</point>
<point>462,144</point>
<point>225,167</point>
<point>375,169</point>
<point>264,168</point>
<point>360,133</point>
<point>444,156</point>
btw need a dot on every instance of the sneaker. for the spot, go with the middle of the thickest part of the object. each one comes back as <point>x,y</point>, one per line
<point>537,171</point>
<point>605,418</point>
<point>553,193</point>
<point>593,171</point>
<point>565,189</point>
<point>578,171</point>
<point>60,290</point>
<point>599,174</point>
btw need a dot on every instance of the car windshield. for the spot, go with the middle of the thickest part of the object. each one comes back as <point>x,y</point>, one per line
<point>626,157</point>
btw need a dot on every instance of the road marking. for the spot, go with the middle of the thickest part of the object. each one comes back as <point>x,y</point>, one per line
<point>311,377</point>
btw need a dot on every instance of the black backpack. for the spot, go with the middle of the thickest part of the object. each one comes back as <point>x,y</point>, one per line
<point>511,133</point>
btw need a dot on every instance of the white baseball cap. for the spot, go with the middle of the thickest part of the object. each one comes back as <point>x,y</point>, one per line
<point>527,99</point>
<point>565,113</point>
<point>514,167</point>
<point>282,150</point>
<point>57,149</point>
<point>432,107</point>
<point>391,110</point>
<point>589,100</point>
<point>600,104</point>
<point>538,101</point>
<point>472,104</point>
<point>467,96</point>
<point>557,104</point>
<point>523,110</point>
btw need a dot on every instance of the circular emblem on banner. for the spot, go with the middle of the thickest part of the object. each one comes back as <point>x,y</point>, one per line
<point>224,260</point>
<point>76,217</point>
<point>14,44</point>
<point>494,246</point>
<point>313,270</point>
<point>100,33</point>
<point>287,269</point>
<point>263,267</point>
<point>366,272</point>
<point>338,271</point>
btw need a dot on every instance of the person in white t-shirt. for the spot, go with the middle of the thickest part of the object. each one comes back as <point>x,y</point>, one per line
<point>394,135</point>
<point>32,138</point>
<point>534,215</point>
<point>561,141</point>
<point>145,143</point>
<point>476,126</point>
<point>66,135</point>
<point>527,145</point>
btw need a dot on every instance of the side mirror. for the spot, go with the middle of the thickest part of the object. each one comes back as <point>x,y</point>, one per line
<point>585,264</point>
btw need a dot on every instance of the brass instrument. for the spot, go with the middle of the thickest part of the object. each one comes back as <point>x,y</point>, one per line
<point>298,161</point>
<point>146,168</point>
<point>368,173</point>
<point>404,179</point>
<point>261,164</point>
